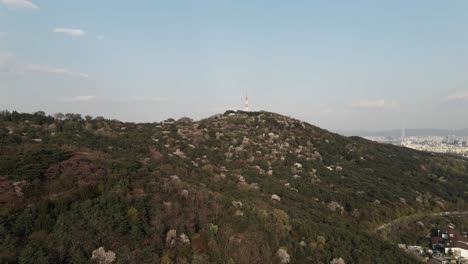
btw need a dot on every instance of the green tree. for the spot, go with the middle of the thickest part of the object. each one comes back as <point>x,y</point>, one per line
<point>24,224</point>
<point>31,255</point>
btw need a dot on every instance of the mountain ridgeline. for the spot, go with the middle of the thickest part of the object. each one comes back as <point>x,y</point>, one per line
<point>240,187</point>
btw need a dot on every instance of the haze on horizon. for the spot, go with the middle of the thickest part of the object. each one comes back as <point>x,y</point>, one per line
<point>357,65</point>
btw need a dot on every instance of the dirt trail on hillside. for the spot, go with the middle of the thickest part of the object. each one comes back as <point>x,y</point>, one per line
<point>416,217</point>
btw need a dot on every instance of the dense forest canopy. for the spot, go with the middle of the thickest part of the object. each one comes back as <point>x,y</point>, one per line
<point>240,187</point>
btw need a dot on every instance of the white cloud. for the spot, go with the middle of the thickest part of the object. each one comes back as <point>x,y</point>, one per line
<point>16,4</point>
<point>72,32</point>
<point>457,97</point>
<point>49,70</point>
<point>375,104</point>
<point>10,65</point>
<point>100,37</point>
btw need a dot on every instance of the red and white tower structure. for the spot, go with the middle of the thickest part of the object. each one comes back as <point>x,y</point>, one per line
<point>246,104</point>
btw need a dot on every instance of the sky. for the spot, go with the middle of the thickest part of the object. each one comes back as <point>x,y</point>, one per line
<point>341,65</point>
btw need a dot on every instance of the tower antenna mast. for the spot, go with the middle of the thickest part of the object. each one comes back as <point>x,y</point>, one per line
<point>246,102</point>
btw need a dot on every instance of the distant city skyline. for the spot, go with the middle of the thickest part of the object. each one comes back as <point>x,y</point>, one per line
<point>407,132</point>
<point>350,66</point>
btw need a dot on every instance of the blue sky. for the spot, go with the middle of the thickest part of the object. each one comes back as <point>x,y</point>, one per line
<point>337,64</point>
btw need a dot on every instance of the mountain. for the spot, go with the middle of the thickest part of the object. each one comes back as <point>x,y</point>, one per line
<point>239,187</point>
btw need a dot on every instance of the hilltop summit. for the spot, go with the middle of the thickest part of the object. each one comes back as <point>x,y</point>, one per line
<point>239,187</point>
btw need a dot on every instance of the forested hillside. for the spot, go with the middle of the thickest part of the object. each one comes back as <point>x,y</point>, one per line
<point>241,187</point>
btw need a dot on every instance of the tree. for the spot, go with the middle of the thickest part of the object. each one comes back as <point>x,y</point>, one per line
<point>40,113</point>
<point>213,229</point>
<point>59,116</point>
<point>31,255</point>
<point>24,224</point>
<point>69,116</point>
<point>73,117</point>
<point>5,113</point>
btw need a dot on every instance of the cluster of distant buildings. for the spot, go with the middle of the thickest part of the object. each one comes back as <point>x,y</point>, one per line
<point>450,242</point>
<point>445,245</point>
<point>457,145</point>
